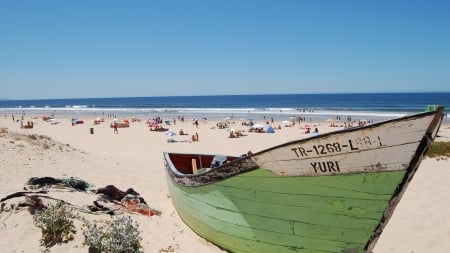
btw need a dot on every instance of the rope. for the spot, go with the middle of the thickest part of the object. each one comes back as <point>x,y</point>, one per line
<point>10,213</point>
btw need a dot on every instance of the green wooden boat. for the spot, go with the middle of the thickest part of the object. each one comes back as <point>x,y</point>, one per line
<point>328,193</point>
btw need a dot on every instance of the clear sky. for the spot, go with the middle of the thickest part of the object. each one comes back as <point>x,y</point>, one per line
<point>95,48</point>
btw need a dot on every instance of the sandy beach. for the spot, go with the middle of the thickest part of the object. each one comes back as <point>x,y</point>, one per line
<point>133,159</point>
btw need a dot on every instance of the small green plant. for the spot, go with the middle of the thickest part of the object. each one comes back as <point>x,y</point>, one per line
<point>117,236</point>
<point>56,224</point>
<point>439,148</point>
<point>33,136</point>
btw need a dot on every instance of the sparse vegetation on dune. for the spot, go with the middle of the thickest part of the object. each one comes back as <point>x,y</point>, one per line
<point>439,149</point>
<point>36,140</point>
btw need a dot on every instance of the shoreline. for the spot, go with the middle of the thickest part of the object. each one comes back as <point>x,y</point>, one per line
<point>210,114</point>
<point>133,158</point>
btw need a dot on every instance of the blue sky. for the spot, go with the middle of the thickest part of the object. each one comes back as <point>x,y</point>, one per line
<point>78,49</point>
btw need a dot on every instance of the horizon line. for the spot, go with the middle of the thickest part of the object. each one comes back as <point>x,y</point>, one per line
<point>215,95</point>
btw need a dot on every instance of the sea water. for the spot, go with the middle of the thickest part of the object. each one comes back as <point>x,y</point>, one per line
<point>313,107</point>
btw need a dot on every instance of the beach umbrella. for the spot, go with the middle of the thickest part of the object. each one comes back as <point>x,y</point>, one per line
<point>257,126</point>
<point>330,120</point>
<point>171,133</point>
<point>307,126</point>
<point>286,122</point>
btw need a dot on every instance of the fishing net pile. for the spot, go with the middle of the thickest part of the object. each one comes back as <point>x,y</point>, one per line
<point>39,192</point>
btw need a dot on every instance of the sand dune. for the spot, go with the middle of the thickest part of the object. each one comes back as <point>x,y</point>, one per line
<point>133,159</point>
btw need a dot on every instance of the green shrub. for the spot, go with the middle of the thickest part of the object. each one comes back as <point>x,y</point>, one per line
<point>33,136</point>
<point>56,224</point>
<point>439,148</point>
<point>117,236</point>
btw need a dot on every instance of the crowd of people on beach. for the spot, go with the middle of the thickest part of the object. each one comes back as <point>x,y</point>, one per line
<point>161,124</point>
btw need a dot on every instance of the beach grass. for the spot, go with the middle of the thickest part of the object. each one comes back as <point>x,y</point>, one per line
<point>439,149</point>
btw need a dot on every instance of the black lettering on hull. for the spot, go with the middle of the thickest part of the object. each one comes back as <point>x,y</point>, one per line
<point>328,166</point>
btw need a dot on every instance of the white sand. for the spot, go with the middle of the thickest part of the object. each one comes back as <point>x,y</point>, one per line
<point>133,158</point>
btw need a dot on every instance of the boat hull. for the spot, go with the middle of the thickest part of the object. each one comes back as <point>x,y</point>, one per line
<point>258,211</point>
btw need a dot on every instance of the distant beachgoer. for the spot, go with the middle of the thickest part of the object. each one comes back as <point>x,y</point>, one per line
<point>194,137</point>
<point>116,126</point>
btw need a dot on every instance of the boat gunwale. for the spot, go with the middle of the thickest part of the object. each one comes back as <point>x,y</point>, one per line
<point>177,173</point>
<point>219,173</point>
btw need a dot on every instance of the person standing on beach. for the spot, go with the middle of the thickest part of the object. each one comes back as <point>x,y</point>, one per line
<point>115,126</point>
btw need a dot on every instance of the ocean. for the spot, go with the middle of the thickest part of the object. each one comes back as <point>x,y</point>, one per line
<point>315,107</point>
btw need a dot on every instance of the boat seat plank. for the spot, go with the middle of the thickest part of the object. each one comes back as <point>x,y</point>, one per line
<point>194,166</point>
